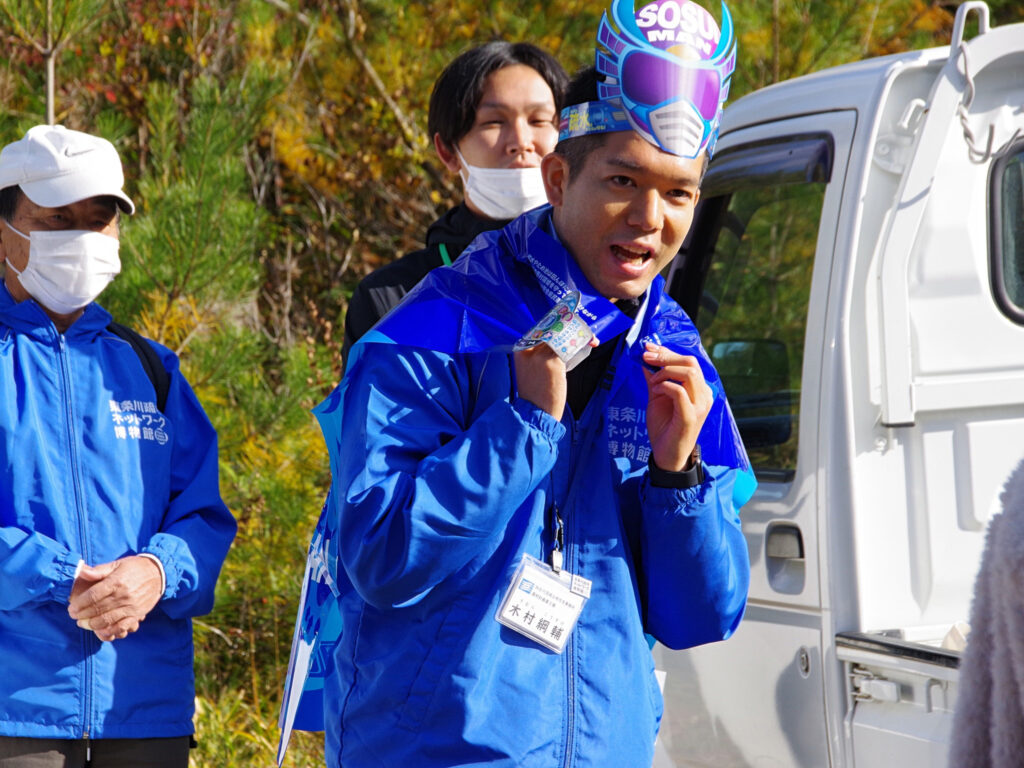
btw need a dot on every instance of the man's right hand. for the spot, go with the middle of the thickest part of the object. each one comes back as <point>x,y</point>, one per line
<point>540,378</point>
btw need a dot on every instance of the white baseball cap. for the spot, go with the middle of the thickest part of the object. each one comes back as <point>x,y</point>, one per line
<point>55,166</point>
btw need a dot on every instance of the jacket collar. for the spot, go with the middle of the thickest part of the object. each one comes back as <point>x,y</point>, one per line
<point>28,317</point>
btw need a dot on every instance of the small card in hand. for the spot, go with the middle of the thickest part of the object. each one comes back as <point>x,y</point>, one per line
<point>563,330</point>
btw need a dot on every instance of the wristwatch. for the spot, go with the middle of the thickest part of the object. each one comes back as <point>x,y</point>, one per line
<point>686,478</point>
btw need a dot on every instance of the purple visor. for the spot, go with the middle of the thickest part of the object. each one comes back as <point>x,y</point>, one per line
<point>651,78</point>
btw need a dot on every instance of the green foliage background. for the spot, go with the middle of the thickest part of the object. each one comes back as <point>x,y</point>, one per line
<point>276,150</point>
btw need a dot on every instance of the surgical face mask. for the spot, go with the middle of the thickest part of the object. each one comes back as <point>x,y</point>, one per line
<point>67,269</point>
<point>502,193</point>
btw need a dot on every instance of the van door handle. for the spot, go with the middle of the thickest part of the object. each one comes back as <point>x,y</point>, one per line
<point>784,542</point>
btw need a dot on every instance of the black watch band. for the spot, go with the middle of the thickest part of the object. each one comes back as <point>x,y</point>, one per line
<point>687,478</point>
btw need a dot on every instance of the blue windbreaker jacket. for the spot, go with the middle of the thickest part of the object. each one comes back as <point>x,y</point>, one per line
<point>91,469</point>
<point>443,479</point>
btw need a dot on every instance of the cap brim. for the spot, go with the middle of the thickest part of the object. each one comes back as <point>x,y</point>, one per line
<point>69,190</point>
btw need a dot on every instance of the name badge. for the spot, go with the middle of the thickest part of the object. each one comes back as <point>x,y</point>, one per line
<point>543,605</point>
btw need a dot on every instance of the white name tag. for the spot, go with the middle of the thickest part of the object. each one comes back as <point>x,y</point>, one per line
<point>543,605</point>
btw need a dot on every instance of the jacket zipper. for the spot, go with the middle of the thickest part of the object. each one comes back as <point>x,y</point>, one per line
<point>82,527</point>
<point>570,533</point>
<point>570,661</point>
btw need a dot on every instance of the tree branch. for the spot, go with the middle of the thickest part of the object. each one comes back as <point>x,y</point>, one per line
<point>410,134</point>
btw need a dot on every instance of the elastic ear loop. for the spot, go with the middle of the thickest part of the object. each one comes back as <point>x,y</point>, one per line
<point>20,234</point>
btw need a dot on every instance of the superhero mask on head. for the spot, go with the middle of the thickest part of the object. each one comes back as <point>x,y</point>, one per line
<point>666,72</point>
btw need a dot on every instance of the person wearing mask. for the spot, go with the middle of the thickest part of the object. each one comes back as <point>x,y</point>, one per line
<point>493,115</point>
<point>112,528</point>
<point>534,464</point>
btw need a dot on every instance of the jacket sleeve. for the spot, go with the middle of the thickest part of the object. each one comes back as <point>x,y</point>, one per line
<point>422,490</point>
<point>34,568</point>
<point>197,528</point>
<point>695,569</point>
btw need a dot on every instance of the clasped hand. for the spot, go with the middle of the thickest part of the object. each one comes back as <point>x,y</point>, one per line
<point>111,599</point>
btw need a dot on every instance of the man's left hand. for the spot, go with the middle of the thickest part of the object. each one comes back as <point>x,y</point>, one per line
<point>111,599</point>
<point>678,402</point>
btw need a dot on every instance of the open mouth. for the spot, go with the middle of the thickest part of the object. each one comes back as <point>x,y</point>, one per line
<point>633,255</point>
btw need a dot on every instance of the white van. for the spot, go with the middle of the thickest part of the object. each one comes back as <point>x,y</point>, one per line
<point>857,273</point>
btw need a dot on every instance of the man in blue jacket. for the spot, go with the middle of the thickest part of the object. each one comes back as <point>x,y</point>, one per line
<point>504,533</point>
<point>112,529</point>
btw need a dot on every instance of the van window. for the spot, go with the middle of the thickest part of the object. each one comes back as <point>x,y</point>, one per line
<point>1007,233</point>
<point>746,282</point>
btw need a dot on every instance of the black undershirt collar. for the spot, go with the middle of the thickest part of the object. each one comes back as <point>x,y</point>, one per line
<point>582,380</point>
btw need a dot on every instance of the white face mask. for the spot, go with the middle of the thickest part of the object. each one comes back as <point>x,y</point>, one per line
<point>67,269</point>
<point>502,193</point>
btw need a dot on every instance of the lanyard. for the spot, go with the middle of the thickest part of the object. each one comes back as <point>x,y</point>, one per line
<point>444,254</point>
